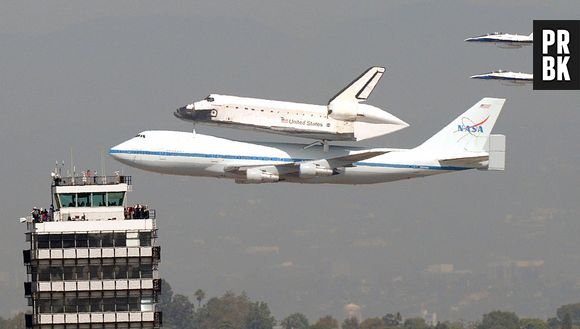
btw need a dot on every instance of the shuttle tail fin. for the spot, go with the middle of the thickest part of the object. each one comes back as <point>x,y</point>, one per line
<point>469,133</point>
<point>360,89</point>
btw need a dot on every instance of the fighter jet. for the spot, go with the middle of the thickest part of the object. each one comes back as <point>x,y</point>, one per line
<point>465,143</point>
<point>507,77</point>
<point>344,118</point>
<point>504,40</point>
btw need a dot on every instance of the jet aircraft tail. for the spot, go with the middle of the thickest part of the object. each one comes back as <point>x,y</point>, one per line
<point>360,88</point>
<point>468,137</point>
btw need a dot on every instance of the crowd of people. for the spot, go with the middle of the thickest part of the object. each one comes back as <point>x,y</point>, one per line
<point>138,211</point>
<point>40,215</point>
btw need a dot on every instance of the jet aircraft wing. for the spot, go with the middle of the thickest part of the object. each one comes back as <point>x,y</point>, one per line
<point>330,163</point>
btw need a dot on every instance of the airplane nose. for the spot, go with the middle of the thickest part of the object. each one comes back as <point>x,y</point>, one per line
<point>123,153</point>
<point>122,150</point>
<point>114,151</point>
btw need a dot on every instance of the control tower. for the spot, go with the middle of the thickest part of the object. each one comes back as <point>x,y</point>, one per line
<point>93,259</point>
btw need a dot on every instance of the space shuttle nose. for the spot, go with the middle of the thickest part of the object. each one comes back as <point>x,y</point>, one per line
<point>185,112</point>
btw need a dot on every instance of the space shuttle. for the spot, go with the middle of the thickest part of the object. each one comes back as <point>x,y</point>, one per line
<point>504,40</point>
<point>346,117</point>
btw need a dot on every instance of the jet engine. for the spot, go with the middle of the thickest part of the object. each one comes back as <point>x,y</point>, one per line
<point>257,176</point>
<point>310,170</point>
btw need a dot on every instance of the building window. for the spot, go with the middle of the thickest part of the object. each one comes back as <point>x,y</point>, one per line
<point>42,241</point>
<point>115,198</point>
<point>55,241</point>
<point>145,239</point>
<point>98,199</point>
<point>94,240</point>
<point>84,199</point>
<point>81,240</point>
<point>67,200</point>
<point>68,240</point>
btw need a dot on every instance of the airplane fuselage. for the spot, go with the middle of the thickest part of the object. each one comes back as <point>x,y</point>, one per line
<point>180,153</point>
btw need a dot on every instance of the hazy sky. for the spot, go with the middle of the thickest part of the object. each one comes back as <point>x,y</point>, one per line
<point>84,76</point>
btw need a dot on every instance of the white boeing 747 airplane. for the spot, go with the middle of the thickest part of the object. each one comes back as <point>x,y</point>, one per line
<point>466,143</point>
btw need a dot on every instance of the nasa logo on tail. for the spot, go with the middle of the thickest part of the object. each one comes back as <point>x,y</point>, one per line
<point>468,126</point>
<point>557,55</point>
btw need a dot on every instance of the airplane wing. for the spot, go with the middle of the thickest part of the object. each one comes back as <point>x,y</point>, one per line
<point>360,89</point>
<point>294,167</point>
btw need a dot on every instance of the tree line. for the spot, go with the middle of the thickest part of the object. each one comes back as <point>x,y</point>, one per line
<point>232,311</point>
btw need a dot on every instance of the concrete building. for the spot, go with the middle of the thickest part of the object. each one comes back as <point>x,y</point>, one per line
<point>93,260</point>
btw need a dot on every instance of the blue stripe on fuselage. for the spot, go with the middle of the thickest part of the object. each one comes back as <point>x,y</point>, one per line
<point>290,160</point>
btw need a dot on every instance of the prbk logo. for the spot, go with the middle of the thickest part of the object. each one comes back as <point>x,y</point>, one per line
<point>557,55</point>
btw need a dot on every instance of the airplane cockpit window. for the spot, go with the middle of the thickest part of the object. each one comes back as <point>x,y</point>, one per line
<point>209,99</point>
<point>140,135</point>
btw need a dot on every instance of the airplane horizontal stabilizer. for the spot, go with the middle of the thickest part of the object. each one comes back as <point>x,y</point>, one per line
<point>469,161</point>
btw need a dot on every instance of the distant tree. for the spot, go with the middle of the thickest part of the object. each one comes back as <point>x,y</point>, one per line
<point>373,323</point>
<point>398,317</point>
<point>295,321</point>
<point>177,310</point>
<point>572,309</point>
<point>528,323</point>
<point>229,310</point>
<point>166,295</point>
<point>415,323</point>
<point>179,314</point>
<point>350,323</point>
<point>225,325</point>
<point>199,296</point>
<point>567,321</point>
<point>326,322</point>
<point>392,320</point>
<point>441,325</point>
<point>554,323</point>
<point>499,320</point>
<point>454,325</point>
<point>259,317</point>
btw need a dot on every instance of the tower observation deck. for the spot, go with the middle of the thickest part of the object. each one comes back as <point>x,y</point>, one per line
<point>93,260</point>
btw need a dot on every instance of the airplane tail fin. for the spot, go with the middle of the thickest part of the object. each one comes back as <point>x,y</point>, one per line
<point>469,135</point>
<point>360,88</point>
<point>531,35</point>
